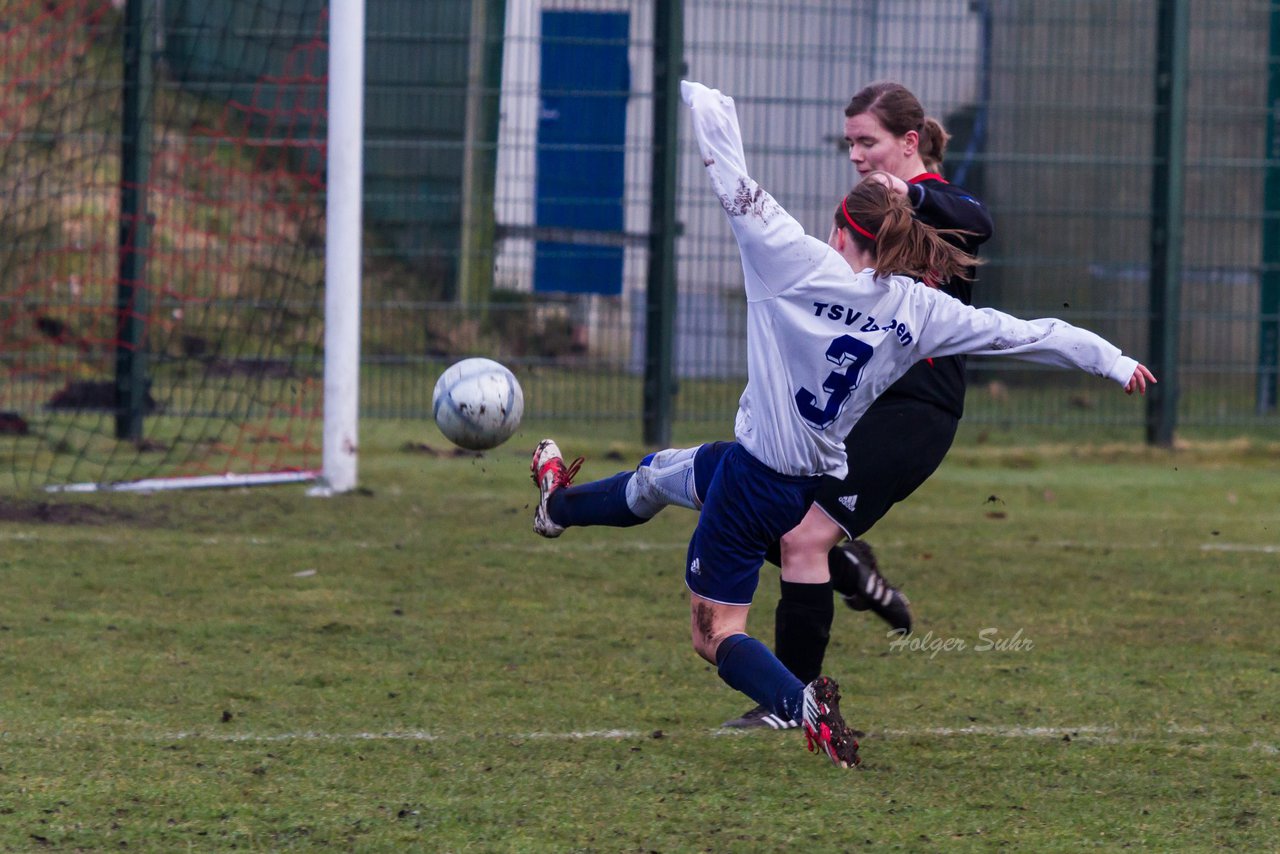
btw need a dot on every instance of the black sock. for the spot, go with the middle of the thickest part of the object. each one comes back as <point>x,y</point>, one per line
<point>802,628</point>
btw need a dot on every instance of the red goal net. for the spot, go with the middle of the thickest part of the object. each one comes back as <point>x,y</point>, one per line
<point>161,239</point>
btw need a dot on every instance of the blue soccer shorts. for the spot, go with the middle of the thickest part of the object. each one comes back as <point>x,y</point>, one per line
<point>748,507</point>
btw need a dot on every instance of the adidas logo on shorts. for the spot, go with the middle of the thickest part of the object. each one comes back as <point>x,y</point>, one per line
<point>849,502</point>
<point>695,568</point>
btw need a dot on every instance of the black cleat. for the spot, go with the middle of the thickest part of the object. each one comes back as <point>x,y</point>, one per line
<point>855,577</point>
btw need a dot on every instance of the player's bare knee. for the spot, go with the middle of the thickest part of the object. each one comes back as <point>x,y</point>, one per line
<point>706,651</point>
<point>705,641</point>
<point>707,647</point>
<point>806,543</point>
<point>702,630</point>
<point>708,630</point>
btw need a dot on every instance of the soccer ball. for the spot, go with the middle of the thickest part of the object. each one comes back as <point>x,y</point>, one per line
<point>477,404</point>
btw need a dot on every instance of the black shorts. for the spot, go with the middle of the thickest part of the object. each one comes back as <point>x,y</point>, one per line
<point>893,449</point>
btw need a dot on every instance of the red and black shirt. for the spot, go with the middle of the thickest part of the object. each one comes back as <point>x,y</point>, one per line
<point>937,203</point>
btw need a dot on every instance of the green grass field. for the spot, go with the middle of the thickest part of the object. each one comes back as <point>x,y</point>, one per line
<point>410,668</point>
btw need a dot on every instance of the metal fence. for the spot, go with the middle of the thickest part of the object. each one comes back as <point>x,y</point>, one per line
<point>1096,131</point>
<point>520,202</point>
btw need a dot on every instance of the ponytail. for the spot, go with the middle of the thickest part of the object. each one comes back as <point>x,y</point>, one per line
<point>901,244</point>
<point>933,143</point>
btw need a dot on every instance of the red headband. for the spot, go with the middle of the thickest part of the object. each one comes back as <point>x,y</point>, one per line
<point>853,224</point>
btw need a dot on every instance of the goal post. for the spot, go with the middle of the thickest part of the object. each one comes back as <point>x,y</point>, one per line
<point>218,343</point>
<point>343,248</point>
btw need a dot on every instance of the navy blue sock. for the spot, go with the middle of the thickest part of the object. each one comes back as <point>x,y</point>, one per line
<point>748,666</point>
<point>601,502</point>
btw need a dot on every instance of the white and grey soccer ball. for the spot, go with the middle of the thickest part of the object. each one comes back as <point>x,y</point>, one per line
<point>477,404</point>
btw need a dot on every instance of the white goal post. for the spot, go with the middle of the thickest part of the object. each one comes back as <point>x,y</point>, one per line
<point>343,248</point>
<point>343,254</point>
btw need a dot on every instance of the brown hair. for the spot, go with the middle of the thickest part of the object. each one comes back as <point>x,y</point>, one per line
<point>899,111</point>
<point>901,244</point>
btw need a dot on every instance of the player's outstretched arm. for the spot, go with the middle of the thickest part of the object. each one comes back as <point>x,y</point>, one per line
<point>952,327</point>
<point>776,252</point>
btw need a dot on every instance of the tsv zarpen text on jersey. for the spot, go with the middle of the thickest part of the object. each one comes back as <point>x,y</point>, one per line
<point>847,316</point>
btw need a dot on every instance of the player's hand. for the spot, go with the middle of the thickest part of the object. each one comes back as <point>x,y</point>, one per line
<point>691,89</point>
<point>1138,382</point>
<point>893,182</point>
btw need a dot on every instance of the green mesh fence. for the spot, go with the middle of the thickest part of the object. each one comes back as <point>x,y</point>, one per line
<point>1053,111</point>
<point>509,189</point>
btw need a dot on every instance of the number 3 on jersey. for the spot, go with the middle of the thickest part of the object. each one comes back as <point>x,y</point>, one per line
<point>844,351</point>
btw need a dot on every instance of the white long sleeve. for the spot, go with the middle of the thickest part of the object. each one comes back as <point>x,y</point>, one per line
<point>953,327</point>
<point>776,252</point>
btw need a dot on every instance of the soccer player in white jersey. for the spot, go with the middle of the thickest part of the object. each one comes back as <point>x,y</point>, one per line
<point>827,331</point>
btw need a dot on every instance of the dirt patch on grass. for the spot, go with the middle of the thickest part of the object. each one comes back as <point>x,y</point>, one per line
<point>430,451</point>
<point>76,513</point>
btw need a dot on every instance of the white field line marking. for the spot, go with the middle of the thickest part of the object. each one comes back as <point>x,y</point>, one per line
<point>613,546</point>
<point>1089,734</point>
<point>1239,547</point>
<point>522,544</point>
<point>84,535</point>
<point>648,545</point>
<point>1000,731</point>
<point>395,735</point>
<point>1093,546</point>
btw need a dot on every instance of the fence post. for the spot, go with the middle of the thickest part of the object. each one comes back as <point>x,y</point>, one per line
<point>660,296</point>
<point>480,153</point>
<point>132,297</point>
<point>1167,191</point>
<point>1269,286</point>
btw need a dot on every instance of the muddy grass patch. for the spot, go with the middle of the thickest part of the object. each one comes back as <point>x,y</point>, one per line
<point>77,513</point>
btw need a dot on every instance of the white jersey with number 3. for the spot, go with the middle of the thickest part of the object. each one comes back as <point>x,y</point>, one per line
<point>823,341</point>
